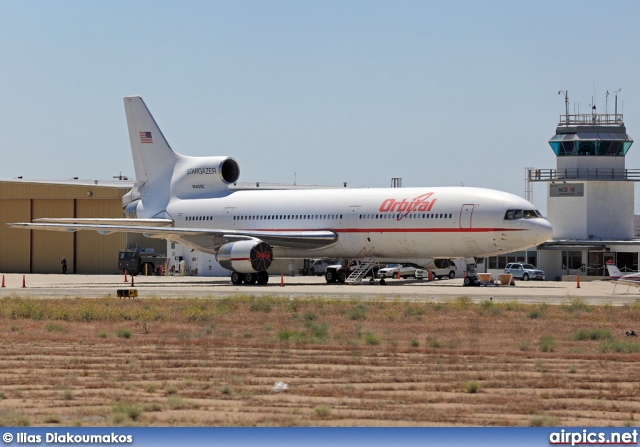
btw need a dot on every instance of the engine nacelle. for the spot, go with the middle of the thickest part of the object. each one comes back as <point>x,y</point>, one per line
<point>134,209</point>
<point>203,177</point>
<point>245,256</point>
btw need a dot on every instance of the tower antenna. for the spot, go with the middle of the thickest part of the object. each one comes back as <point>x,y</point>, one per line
<point>616,93</point>
<point>566,104</point>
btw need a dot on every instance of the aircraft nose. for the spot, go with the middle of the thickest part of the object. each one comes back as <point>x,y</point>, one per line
<point>542,231</point>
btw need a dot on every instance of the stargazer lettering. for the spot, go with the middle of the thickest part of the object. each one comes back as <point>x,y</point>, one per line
<point>201,171</point>
<point>404,207</point>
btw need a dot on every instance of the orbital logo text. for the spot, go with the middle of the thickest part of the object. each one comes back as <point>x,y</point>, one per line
<point>423,202</point>
<point>265,255</point>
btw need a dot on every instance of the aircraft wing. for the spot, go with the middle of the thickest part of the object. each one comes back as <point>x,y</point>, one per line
<point>102,221</point>
<point>209,238</point>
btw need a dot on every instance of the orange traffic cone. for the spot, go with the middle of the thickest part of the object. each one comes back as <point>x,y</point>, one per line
<point>281,280</point>
<point>125,276</point>
<point>24,284</point>
<point>578,282</point>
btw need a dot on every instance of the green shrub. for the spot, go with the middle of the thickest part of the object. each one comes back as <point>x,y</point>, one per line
<point>53,327</point>
<point>371,339</point>
<point>131,411</point>
<point>176,402</point>
<point>123,333</point>
<point>543,420</point>
<point>322,411</point>
<point>357,312</point>
<point>577,304</point>
<point>626,347</point>
<point>261,305</point>
<point>471,386</point>
<point>592,334</point>
<point>292,336</point>
<point>414,311</point>
<point>548,343</point>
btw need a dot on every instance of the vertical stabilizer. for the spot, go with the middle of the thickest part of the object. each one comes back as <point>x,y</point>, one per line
<point>614,271</point>
<point>153,158</point>
<point>153,161</point>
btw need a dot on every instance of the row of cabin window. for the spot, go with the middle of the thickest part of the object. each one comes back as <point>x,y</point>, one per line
<point>408,216</point>
<point>521,214</point>
<point>339,216</point>
<point>289,217</point>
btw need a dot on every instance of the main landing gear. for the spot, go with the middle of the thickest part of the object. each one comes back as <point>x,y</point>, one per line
<point>249,278</point>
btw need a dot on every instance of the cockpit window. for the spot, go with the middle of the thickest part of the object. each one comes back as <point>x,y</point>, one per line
<point>522,214</point>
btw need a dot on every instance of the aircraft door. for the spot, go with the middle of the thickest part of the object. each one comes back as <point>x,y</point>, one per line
<point>228,222</point>
<point>466,213</point>
<point>352,218</point>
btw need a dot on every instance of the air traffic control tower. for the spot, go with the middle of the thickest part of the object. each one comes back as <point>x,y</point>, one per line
<point>590,195</point>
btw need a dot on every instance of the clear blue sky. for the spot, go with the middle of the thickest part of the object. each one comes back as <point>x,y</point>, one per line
<point>438,93</point>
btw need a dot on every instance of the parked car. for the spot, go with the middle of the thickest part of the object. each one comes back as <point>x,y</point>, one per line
<point>447,269</point>
<point>407,270</point>
<point>524,271</point>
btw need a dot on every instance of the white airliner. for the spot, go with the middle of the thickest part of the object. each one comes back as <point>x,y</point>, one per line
<point>188,200</point>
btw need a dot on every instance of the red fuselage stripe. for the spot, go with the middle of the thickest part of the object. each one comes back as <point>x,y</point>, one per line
<point>387,230</point>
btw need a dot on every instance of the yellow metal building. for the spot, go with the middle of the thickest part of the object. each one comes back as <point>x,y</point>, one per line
<point>87,252</point>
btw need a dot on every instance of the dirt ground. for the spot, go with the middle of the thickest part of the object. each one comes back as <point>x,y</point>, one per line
<point>212,362</point>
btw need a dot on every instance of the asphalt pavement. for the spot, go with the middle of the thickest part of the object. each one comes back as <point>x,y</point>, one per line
<point>95,286</point>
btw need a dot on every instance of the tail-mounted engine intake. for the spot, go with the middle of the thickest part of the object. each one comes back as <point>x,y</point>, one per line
<point>245,256</point>
<point>202,177</point>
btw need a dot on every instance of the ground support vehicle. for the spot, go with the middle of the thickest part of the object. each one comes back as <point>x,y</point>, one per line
<point>141,261</point>
<point>337,273</point>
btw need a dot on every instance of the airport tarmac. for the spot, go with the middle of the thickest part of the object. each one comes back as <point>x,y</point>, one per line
<point>95,286</point>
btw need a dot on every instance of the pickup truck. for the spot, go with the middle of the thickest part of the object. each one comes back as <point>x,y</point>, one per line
<point>319,266</point>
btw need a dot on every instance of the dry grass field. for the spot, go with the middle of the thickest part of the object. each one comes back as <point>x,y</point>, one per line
<point>213,362</point>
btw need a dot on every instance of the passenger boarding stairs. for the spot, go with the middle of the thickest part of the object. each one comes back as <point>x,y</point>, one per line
<point>365,265</point>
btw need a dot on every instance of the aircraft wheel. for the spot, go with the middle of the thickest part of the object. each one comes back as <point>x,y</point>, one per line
<point>249,278</point>
<point>467,281</point>
<point>262,278</point>
<point>236,278</point>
